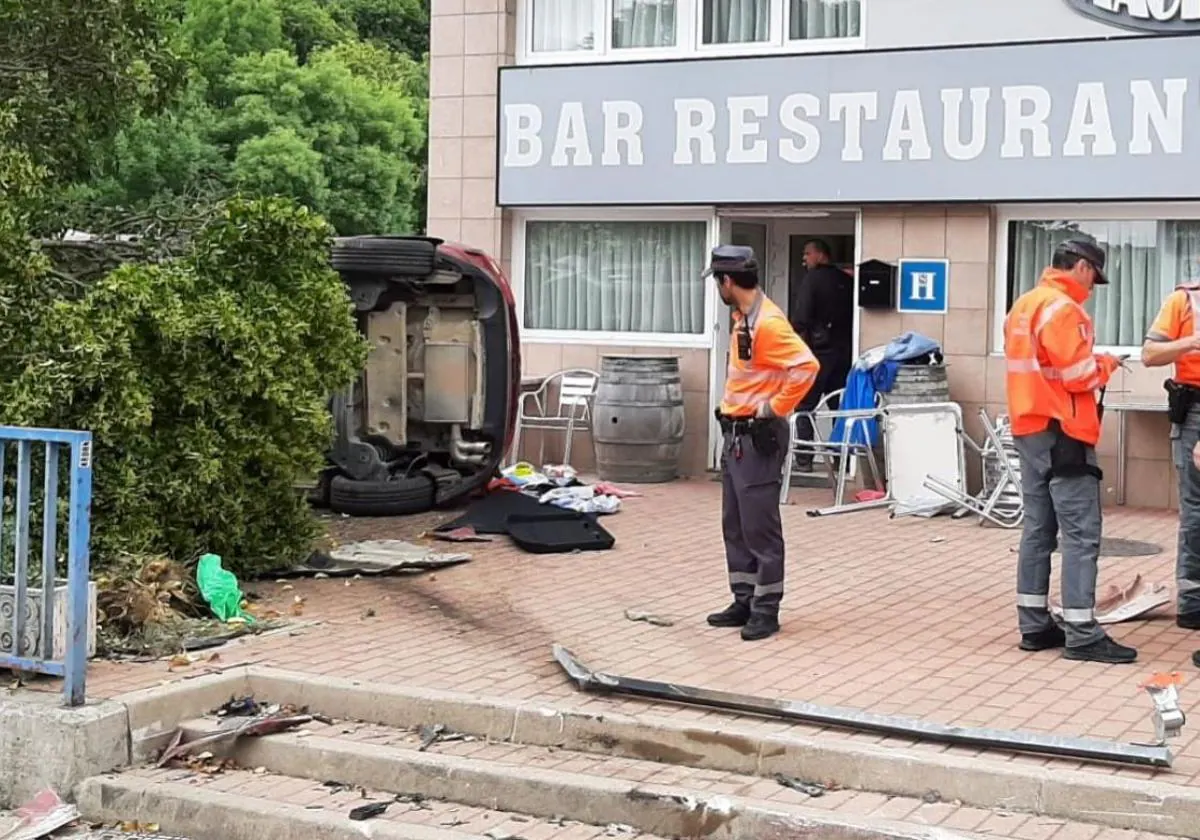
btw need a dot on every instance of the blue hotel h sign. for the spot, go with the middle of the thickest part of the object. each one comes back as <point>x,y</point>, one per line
<point>924,286</point>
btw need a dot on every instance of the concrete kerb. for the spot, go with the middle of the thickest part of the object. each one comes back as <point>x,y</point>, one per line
<point>539,792</point>
<point>44,745</point>
<point>203,814</point>
<point>1155,806</point>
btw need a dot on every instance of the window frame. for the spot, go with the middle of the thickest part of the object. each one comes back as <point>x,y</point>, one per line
<point>610,338</point>
<point>689,26</point>
<point>1156,212</point>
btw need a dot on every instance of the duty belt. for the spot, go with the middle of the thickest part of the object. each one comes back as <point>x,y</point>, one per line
<point>738,425</point>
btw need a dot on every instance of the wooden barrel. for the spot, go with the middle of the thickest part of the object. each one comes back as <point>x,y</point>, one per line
<point>919,384</point>
<point>638,419</point>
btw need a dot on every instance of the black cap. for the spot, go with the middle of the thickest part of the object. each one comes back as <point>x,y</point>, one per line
<point>1085,249</point>
<point>731,258</point>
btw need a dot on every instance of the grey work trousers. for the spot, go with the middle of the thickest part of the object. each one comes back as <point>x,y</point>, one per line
<point>1053,504</point>
<point>750,485</point>
<point>1187,561</point>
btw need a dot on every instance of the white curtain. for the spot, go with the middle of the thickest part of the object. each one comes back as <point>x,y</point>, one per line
<point>615,276</point>
<point>564,25</point>
<point>643,23</point>
<point>736,21</point>
<point>1145,260</point>
<point>824,19</point>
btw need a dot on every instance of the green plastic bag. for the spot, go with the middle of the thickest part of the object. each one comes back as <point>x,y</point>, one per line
<point>220,589</point>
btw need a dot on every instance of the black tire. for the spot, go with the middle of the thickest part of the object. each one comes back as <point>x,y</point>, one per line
<point>398,497</point>
<point>388,256</point>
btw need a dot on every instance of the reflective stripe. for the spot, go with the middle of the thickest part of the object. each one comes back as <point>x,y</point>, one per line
<point>1078,616</point>
<point>768,589</point>
<point>1156,336</point>
<point>1035,601</point>
<point>1185,585</point>
<point>1079,370</point>
<point>1032,366</point>
<point>1049,311</point>
<point>743,577</point>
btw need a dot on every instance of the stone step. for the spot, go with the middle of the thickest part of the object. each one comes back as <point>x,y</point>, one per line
<point>245,805</point>
<point>543,783</point>
<point>984,780</point>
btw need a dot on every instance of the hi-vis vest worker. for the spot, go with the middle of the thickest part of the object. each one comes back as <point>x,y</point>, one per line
<point>1174,339</point>
<point>770,371</point>
<point>1054,383</point>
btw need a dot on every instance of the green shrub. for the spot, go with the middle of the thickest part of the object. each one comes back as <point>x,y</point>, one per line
<point>205,382</point>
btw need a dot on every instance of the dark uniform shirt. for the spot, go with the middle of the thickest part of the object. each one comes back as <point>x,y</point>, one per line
<point>823,311</point>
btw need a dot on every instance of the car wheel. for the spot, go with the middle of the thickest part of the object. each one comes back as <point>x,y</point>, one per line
<point>391,256</point>
<point>398,497</point>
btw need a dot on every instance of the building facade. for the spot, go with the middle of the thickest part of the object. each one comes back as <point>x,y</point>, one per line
<point>601,147</point>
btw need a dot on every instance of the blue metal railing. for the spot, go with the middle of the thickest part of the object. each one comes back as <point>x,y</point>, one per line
<point>40,657</point>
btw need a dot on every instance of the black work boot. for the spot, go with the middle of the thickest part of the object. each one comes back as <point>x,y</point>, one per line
<point>760,626</point>
<point>1188,620</point>
<point>1196,659</point>
<point>1048,639</point>
<point>735,615</point>
<point>1102,650</point>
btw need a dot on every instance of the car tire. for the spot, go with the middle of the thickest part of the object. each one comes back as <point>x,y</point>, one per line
<point>389,256</point>
<point>398,497</point>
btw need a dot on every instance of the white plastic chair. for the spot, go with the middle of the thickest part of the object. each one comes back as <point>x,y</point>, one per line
<point>563,402</point>
<point>835,454</point>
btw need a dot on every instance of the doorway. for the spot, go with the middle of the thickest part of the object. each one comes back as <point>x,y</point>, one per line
<point>778,236</point>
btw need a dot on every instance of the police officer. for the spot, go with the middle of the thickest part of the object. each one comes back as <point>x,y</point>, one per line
<point>770,371</point>
<point>1053,379</point>
<point>1174,339</point>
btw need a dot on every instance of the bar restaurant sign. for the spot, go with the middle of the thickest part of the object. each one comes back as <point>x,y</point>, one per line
<point>1087,120</point>
<point>1167,16</point>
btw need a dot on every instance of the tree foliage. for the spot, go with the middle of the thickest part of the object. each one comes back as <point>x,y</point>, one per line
<point>324,101</point>
<point>204,380</point>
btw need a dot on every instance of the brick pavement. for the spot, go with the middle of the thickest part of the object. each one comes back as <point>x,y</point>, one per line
<point>907,616</point>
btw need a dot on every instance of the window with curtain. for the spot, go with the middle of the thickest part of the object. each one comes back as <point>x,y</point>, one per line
<point>736,21</point>
<point>642,24</point>
<point>638,277</point>
<point>808,19</point>
<point>1146,259</point>
<point>564,25</point>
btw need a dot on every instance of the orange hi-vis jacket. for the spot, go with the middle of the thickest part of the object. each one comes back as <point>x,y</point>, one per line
<point>1053,372</point>
<point>1176,320</point>
<point>781,369</point>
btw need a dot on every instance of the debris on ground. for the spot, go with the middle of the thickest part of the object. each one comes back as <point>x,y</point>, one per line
<point>620,830</point>
<point>270,724</point>
<point>220,589</point>
<point>43,815</point>
<point>464,534</point>
<point>245,706</point>
<point>374,558</point>
<point>414,801</point>
<point>366,812</point>
<point>431,734</point>
<point>813,789</point>
<point>648,618</point>
<point>1115,603</point>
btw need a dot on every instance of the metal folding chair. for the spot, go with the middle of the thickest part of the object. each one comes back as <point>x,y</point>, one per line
<point>563,402</point>
<point>1001,503</point>
<point>836,455</point>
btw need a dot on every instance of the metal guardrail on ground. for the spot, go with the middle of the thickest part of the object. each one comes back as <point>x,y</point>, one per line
<point>30,630</point>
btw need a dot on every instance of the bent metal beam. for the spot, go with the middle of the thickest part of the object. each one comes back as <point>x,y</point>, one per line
<point>1091,749</point>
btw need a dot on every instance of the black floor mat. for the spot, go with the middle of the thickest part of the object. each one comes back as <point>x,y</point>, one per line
<point>489,515</point>
<point>535,527</point>
<point>565,532</point>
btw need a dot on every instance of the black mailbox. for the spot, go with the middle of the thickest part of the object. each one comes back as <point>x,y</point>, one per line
<point>876,285</point>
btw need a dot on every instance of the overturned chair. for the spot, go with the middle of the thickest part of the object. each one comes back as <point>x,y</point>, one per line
<point>999,502</point>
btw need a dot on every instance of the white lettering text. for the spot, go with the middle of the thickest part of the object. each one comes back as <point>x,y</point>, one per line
<point>790,119</point>
<point>1089,118</point>
<point>694,121</point>
<point>741,127</point>
<point>952,99</point>
<point>907,125</point>
<point>1017,122</point>
<point>572,137</point>
<point>1149,110</point>
<point>622,124</point>
<point>522,145</point>
<point>853,108</point>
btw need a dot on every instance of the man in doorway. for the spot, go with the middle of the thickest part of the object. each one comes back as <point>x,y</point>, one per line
<point>770,371</point>
<point>823,316</point>
<point>1053,379</point>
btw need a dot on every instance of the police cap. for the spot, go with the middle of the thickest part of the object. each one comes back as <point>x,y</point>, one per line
<point>1086,249</point>
<point>728,259</point>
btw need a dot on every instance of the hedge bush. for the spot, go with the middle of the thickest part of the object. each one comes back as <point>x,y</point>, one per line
<point>204,379</point>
